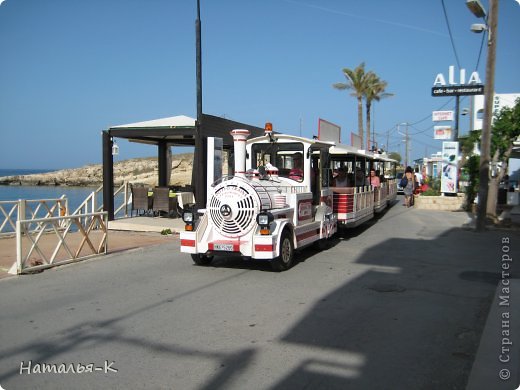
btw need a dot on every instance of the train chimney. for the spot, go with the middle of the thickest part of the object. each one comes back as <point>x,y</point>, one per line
<point>239,138</point>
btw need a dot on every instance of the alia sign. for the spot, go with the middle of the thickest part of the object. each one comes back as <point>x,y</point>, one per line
<point>457,87</point>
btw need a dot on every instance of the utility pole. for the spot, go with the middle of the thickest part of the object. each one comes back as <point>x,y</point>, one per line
<point>485,145</point>
<point>457,109</point>
<point>471,110</point>
<point>407,144</point>
<point>406,139</point>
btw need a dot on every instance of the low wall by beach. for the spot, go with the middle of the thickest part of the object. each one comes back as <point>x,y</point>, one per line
<point>447,203</point>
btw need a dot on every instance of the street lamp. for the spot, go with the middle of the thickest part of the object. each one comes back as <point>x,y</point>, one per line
<point>475,6</point>
<point>115,148</point>
<point>485,146</point>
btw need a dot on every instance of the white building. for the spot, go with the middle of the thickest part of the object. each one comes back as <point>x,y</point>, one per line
<point>500,101</point>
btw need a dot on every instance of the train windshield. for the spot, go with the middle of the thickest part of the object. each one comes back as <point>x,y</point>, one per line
<point>287,157</point>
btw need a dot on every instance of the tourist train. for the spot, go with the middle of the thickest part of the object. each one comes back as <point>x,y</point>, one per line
<point>284,196</point>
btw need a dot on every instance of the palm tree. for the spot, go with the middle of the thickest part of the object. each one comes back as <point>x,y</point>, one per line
<point>374,90</point>
<point>356,81</point>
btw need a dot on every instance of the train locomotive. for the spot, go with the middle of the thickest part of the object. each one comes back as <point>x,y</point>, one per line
<point>277,201</point>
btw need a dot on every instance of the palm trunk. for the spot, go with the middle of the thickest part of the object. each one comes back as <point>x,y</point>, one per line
<point>360,120</point>
<point>368,105</point>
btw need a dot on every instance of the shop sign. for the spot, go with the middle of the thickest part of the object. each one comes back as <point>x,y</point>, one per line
<point>439,116</point>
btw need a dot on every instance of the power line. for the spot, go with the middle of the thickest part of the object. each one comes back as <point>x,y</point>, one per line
<point>430,115</point>
<point>458,63</point>
<point>481,47</point>
<point>450,100</point>
<point>421,131</point>
<point>449,31</point>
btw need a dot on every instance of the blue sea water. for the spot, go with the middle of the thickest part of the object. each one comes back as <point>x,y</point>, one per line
<point>18,172</point>
<point>75,195</point>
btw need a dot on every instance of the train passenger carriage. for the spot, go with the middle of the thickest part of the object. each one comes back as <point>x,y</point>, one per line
<point>363,193</point>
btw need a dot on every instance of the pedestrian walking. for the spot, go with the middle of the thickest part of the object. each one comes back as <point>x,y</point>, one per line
<point>408,184</point>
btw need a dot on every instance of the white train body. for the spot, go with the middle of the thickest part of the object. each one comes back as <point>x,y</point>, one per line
<point>269,207</point>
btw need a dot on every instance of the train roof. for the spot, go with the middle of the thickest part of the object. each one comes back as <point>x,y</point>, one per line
<point>334,149</point>
<point>347,149</point>
<point>384,158</point>
<point>315,143</point>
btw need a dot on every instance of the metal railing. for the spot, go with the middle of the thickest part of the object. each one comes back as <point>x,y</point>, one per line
<point>53,244</point>
<point>94,202</point>
<point>126,191</point>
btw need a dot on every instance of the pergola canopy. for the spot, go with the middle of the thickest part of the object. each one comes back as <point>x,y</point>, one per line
<point>178,130</point>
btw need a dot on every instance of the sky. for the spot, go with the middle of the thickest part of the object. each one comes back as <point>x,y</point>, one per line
<point>70,69</point>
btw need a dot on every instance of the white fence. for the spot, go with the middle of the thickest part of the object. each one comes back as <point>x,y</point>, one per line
<point>43,229</point>
<point>23,209</point>
<point>53,244</point>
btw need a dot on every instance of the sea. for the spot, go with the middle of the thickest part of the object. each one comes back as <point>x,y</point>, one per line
<point>75,195</point>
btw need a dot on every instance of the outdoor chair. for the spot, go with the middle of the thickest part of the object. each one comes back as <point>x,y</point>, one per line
<point>162,202</point>
<point>140,200</point>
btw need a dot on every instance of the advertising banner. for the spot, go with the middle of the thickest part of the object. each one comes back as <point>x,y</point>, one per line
<point>328,131</point>
<point>439,116</point>
<point>450,158</point>
<point>441,132</point>
<point>355,141</point>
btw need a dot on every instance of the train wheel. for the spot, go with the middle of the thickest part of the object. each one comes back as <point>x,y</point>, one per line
<point>201,259</point>
<point>284,261</point>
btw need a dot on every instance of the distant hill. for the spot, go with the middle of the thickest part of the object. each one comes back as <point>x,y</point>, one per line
<point>135,170</point>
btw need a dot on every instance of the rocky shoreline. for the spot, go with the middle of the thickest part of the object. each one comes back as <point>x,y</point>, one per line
<point>136,170</point>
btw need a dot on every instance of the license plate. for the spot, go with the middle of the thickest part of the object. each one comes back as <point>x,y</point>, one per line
<point>223,247</point>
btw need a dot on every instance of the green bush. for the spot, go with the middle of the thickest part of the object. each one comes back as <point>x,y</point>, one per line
<point>430,192</point>
<point>434,187</point>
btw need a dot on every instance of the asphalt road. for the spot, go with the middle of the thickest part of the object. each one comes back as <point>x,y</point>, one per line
<point>399,303</point>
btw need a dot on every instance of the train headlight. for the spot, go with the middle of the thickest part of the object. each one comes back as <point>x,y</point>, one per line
<point>189,218</point>
<point>264,219</point>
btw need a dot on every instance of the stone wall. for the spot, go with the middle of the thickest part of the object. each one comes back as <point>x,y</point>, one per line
<point>448,203</point>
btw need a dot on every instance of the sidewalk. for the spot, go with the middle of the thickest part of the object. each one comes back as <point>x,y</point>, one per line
<point>496,363</point>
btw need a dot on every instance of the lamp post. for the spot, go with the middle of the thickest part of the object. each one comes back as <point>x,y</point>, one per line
<point>485,144</point>
<point>199,159</point>
<point>457,115</point>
